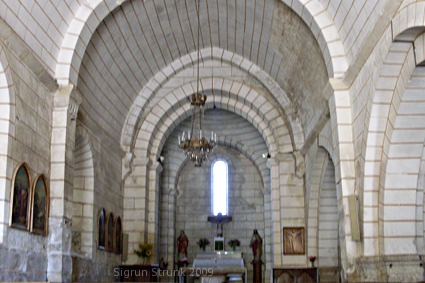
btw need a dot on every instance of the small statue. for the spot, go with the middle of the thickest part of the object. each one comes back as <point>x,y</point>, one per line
<point>182,244</point>
<point>257,246</point>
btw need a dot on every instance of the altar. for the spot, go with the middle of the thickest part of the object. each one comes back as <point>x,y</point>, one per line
<point>211,267</point>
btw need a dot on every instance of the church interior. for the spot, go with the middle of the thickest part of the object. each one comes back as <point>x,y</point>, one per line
<point>286,136</point>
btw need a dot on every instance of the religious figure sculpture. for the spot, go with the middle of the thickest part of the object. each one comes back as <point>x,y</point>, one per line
<point>256,244</point>
<point>292,241</point>
<point>182,244</point>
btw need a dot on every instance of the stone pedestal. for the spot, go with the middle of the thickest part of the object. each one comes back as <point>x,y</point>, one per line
<point>257,271</point>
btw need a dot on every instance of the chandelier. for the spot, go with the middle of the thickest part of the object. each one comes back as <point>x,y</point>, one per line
<point>196,146</point>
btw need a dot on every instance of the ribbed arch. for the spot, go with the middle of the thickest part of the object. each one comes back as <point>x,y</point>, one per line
<point>407,25</point>
<point>154,131</point>
<point>382,128</point>
<point>140,107</point>
<point>402,195</point>
<point>92,13</point>
<point>385,100</point>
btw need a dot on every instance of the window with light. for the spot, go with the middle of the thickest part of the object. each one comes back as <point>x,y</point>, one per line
<point>219,187</point>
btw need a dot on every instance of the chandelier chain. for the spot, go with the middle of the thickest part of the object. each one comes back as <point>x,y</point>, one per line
<point>196,146</point>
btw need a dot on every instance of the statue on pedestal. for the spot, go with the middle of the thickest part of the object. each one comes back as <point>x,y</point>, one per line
<point>257,246</point>
<point>182,244</point>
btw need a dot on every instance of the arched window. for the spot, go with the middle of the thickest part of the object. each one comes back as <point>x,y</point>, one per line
<point>219,187</point>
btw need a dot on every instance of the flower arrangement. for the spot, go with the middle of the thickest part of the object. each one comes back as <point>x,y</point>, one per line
<point>144,251</point>
<point>312,259</point>
<point>203,242</point>
<point>234,243</point>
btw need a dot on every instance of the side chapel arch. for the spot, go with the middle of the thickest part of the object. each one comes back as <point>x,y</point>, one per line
<point>7,110</point>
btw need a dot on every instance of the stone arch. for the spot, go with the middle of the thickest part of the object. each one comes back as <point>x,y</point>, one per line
<point>402,193</point>
<point>406,25</point>
<point>401,59</point>
<point>83,195</point>
<point>7,114</point>
<point>90,15</point>
<point>328,224</point>
<point>317,170</point>
<point>317,18</point>
<point>234,205</point>
<point>175,161</point>
<point>325,140</point>
<point>420,49</point>
<point>154,131</point>
<point>167,74</point>
<point>388,89</point>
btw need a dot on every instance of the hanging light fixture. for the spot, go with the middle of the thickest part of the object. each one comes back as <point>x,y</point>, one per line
<point>196,146</point>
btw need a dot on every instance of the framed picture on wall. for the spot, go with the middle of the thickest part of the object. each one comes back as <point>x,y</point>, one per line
<point>293,240</point>
<point>110,232</point>
<point>118,236</point>
<point>102,230</point>
<point>20,198</point>
<point>40,206</point>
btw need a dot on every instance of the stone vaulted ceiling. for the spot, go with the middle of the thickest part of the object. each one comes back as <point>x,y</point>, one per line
<point>117,47</point>
<point>140,38</point>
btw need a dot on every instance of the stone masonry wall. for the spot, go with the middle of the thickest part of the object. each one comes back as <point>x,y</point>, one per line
<point>245,203</point>
<point>23,255</point>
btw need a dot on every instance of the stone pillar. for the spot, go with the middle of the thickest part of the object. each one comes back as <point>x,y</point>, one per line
<point>273,164</point>
<point>136,206</point>
<point>288,210</point>
<point>171,232</point>
<point>345,176</point>
<point>155,170</point>
<point>268,231</point>
<point>66,103</point>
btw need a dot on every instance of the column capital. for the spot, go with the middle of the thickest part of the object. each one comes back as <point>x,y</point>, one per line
<point>74,103</point>
<point>280,157</point>
<point>128,159</point>
<point>63,95</point>
<point>172,191</point>
<point>156,165</point>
